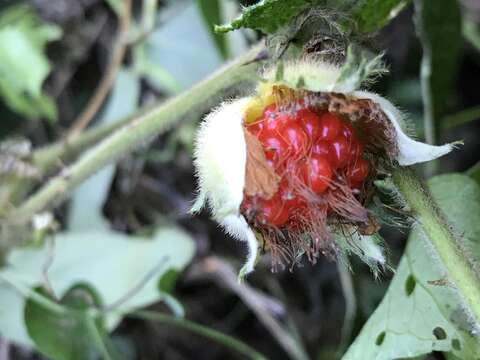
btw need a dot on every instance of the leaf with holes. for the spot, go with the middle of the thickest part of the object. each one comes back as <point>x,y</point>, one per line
<point>421,311</point>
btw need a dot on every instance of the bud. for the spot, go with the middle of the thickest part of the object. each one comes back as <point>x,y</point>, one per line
<point>292,168</point>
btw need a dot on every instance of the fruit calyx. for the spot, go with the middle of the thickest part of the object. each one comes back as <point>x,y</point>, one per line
<point>321,168</point>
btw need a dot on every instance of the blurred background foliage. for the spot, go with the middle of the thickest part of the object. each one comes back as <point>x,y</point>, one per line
<point>124,241</point>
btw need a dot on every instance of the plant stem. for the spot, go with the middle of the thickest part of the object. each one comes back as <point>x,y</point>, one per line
<point>207,332</point>
<point>46,157</point>
<point>448,247</point>
<point>138,131</point>
<point>97,337</point>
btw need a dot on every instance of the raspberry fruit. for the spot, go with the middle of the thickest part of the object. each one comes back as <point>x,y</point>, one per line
<point>291,167</point>
<point>317,152</point>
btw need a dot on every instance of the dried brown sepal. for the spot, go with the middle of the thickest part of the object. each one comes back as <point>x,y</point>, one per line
<point>260,178</point>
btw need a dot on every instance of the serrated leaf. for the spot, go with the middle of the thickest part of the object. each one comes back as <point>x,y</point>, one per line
<point>269,15</point>
<point>70,334</point>
<point>23,62</point>
<point>421,312</point>
<point>440,31</point>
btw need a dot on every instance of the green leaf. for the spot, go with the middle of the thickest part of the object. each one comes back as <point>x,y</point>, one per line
<point>116,6</point>
<point>269,15</point>
<point>461,118</point>
<point>212,15</point>
<point>471,31</point>
<point>474,172</point>
<point>439,28</point>
<point>122,102</point>
<point>168,280</point>
<point>112,263</point>
<point>421,312</point>
<point>186,59</point>
<point>23,63</point>
<point>72,333</point>
<point>154,73</point>
<point>371,15</point>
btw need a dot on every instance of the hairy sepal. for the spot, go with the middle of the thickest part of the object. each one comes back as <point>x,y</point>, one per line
<point>220,160</point>
<point>220,157</point>
<point>369,248</point>
<point>409,151</point>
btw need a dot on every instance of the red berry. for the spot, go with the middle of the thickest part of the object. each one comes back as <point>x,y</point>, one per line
<point>310,122</point>
<point>358,171</point>
<point>316,173</point>
<point>270,111</point>
<point>330,126</point>
<point>295,137</point>
<point>292,200</point>
<point>347,130</point>
<point>321,148</point>
<point>356,148</point>
<point>339,152</point>
<point>273,211</point>
<point>275,147</point>
<point>256,126</point>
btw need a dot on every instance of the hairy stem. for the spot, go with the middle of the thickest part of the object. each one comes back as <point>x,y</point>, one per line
<point>448,247</point>
<point>138,131</point>
<point>217,336</point>
<point>47,157</point>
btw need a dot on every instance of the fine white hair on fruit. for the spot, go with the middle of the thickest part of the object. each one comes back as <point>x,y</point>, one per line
<point>220,160</point>
<point>410,151</point>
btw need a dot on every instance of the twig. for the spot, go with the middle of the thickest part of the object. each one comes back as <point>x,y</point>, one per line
<point>108,79</point>
<point>225,276</point>
<point>139,130</point>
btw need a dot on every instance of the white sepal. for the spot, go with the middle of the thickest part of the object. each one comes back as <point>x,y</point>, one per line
<point>410,151</point>
<point>220,161</point>
<point>220,156</point>
<point>237,227</point>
